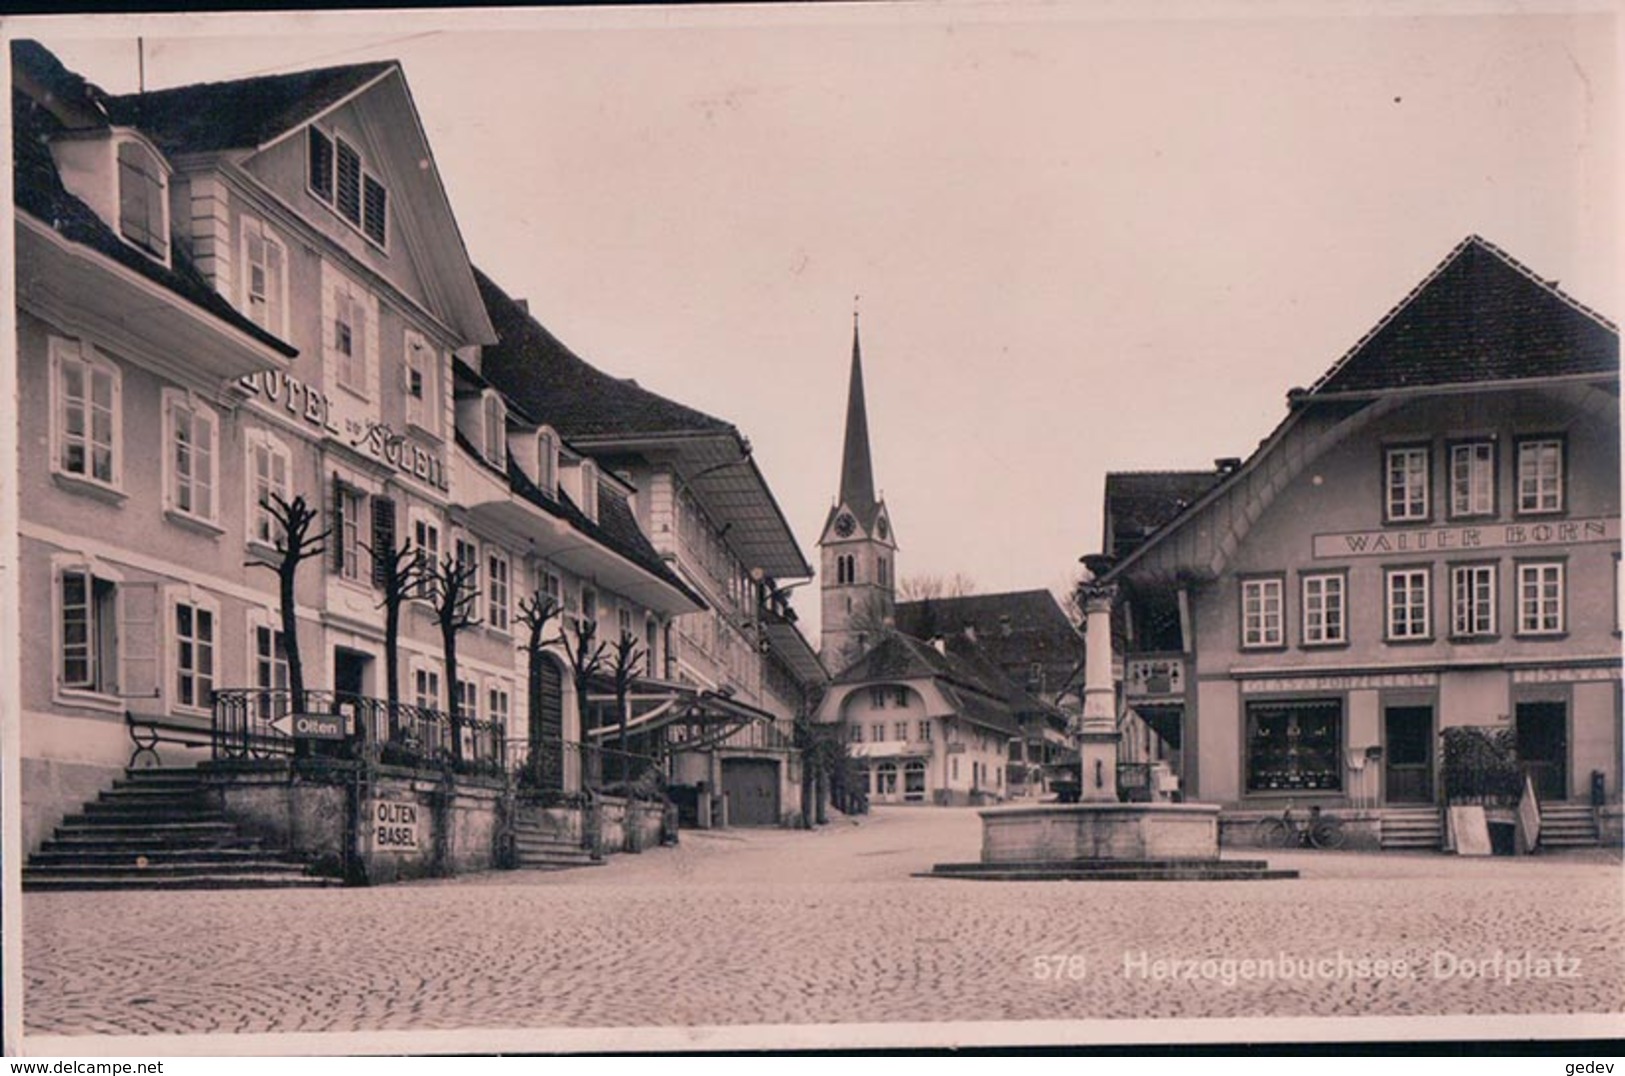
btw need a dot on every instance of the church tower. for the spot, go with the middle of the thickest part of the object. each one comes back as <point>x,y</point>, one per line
<point>858,569</point>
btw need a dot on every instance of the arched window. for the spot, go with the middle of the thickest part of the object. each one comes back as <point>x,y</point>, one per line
<point>589,490</point>
<point>886,779</point>
<point>846,569</point>
<point>547,462</point>
<point>496,430</point>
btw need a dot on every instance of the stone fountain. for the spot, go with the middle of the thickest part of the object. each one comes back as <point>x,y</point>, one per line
<point>1100,838</point>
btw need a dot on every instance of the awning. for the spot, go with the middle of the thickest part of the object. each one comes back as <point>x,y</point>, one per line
<point>693,718</point>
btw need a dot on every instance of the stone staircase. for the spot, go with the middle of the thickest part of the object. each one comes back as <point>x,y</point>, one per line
<point>1564,825</point>
<point>536,849</point>
<point>158,829</point>
<point>1412,828</point>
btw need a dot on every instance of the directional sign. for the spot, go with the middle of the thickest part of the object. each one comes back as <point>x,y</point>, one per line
<point>311,726</point>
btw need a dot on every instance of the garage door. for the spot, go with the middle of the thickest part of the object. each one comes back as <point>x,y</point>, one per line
<point>752,787</point>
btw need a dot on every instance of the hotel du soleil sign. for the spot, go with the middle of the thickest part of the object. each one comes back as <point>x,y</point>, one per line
<point>328,415</point>
<point>1466,539</point>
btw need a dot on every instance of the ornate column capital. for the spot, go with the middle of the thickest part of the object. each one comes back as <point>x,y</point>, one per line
<point>1096,597</point>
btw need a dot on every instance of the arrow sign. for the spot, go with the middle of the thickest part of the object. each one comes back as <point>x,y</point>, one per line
<point>311,726</point>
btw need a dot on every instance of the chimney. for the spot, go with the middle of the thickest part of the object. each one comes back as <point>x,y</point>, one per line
<point>523,305</point>
<point>939,644</point>
<point>1227,464</point>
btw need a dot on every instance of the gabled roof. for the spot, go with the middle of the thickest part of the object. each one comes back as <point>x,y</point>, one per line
<point>979,691</point>
<point>38,192</point>
<point>1012,630</point>
<point>242,113</point>
<point>1480,316</point>
<point>1140,502</point>
<point>251,114</point>
<point>565,391</point>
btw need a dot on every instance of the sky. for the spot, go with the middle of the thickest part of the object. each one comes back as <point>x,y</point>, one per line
<point>1086,236</point>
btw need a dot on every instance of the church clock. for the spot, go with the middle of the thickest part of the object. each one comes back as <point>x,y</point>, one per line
<point>844,525</point>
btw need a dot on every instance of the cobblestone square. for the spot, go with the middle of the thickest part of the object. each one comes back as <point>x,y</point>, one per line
<point>773,926</point>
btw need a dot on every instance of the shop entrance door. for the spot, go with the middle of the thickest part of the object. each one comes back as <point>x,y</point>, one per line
<point>1543,747</point>
<point>1408,754</point>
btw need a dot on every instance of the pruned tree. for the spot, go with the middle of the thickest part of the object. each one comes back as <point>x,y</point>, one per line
<point>628,655</point>
<point>535,613</point>
<point>452,595</point>
<point>398,572</point>
<point>294,543</point>
<point>586,656</point>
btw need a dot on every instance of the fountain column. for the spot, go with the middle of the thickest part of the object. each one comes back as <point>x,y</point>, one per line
<point>1097,729</point>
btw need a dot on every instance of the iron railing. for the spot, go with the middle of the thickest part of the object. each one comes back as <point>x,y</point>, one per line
<point>256,723</point>
<point>552,766</point>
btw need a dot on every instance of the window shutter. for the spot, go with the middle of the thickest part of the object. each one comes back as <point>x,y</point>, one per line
<point>138,641</point>
<point>383,539</point>
<point>335,515</point>
<point>321,165</point>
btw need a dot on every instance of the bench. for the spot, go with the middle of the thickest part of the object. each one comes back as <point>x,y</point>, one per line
<point>147,731</point>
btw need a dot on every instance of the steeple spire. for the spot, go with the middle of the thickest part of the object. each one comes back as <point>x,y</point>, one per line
<point>857,473</point>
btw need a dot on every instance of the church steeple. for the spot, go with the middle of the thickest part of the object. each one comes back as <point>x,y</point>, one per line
<point>859,574</point>
<point>857,472</point>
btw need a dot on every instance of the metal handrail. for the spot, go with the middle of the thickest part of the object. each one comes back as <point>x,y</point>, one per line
<point>245,724</point>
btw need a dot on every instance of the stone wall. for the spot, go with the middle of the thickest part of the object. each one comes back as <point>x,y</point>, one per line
<point>53,789</point>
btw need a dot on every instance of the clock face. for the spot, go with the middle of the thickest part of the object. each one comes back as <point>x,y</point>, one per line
<point>844,525</point>
<point>885,530</point>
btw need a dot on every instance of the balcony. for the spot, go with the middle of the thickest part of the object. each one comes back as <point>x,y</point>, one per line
<point>258,723</point>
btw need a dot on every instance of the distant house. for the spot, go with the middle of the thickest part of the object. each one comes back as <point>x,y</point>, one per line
<point>1430,540</point>
<point>1027,637</point>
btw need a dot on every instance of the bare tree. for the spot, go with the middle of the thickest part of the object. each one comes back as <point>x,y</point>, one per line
<point>872,620</point>
<point>452,596</point>
<point>399,572</point>
<point>915,588</point>
<point>535,613</point>
<point>586,656</point>
<point>294,544</point>
<point>628,655</point>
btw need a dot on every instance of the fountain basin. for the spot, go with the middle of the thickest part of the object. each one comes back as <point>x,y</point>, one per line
<point>1095,832</point>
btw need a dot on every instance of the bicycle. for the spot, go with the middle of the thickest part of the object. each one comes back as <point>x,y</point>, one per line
<point>1320,831</point>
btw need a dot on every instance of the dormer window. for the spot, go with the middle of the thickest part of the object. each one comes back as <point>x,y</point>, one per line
<point>495,448</point>
<point>547,462</point>
<point>589,490</point>
<point>338,176</point>
<point>143,199</point>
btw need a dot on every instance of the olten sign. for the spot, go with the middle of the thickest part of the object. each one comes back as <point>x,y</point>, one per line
<point>316,409</point>
<point>311,726</point>
<point>1557,532</point>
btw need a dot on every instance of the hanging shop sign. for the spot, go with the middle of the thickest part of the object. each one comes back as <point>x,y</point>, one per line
<point>395,826</point>
<point>1563,532</point>
<point>323,413</point>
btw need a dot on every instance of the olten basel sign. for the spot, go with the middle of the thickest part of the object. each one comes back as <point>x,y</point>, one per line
<point>394,825</point>
<point>1479,536</point>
